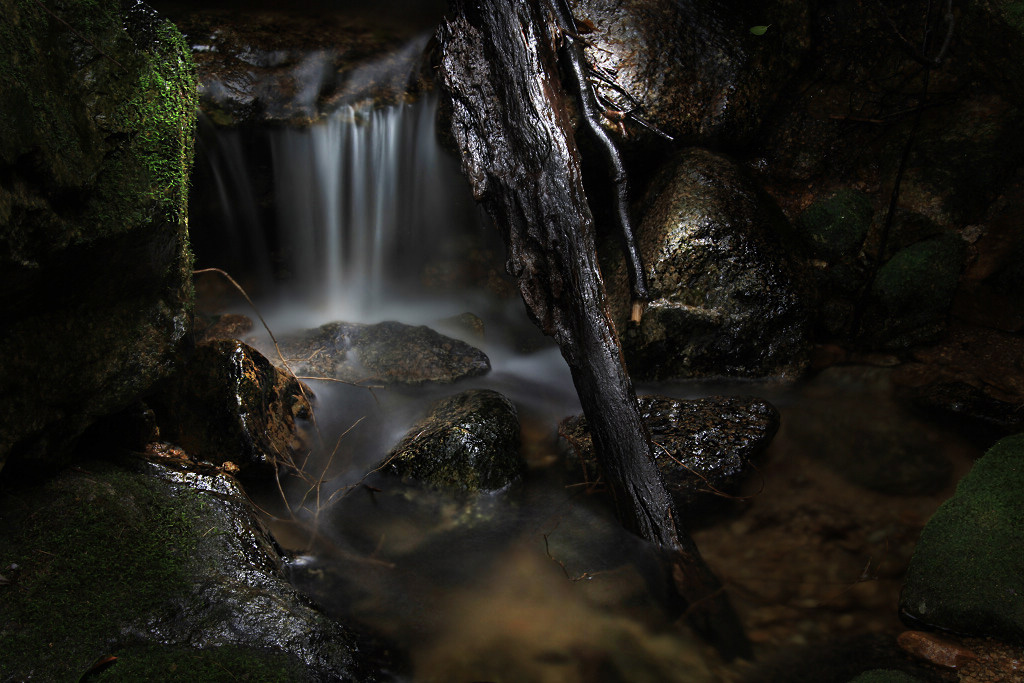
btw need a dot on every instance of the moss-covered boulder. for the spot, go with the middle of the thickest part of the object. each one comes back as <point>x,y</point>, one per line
<point>912,293</point>
<point>467,443</point>
<point>725,299</point>
<point>967,573</point>
<point>836,225</point>
<point>164,567</point>
<point>97,111</point>
<point>230,404</point>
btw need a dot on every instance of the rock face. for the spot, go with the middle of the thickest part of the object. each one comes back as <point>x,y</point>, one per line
<point>96,126</point>
<point>388,352</point>
<point>468,443</point>
<point>230,404</point>
<point>194,573</point>
<point>267,67</point>
<point>967,573</point>
<point>724,300</point>
<point>701,446</point>
<point>715,85</point>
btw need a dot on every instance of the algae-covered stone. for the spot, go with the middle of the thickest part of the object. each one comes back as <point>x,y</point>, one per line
<point>97,112</point>
<point>468,443</point>
<point>132,560</point>
<point>967,573</point>
<point>912,292</point>
<point>836,225</point>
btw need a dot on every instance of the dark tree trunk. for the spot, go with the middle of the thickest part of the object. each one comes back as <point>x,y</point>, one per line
<point>510,121</point>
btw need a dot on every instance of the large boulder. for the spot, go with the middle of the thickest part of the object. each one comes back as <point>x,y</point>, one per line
<point>724,298</point>
<point>967,573</point>
<point>692,68</point>
<point>280,67</point>
<point>161,566</point>
<point>97,111</point>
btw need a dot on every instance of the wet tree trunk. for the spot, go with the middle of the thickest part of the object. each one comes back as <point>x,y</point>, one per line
<point>509,118</point>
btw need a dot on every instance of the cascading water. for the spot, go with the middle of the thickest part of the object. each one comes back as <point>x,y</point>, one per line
<point>363,200</point>
<point>359,204</point>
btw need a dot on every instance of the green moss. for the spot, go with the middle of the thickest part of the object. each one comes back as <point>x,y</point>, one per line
<point>921,278</point>
<point>835,226</point>
<point>89,552</point>
<point>967,573</point>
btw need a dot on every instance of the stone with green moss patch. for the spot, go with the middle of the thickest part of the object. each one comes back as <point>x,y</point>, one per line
<point>468,443</point>
<point>151,563</point>
<point>913,291</point>
<point>97,115</point>
<point>835,226</point>
<point>967,573</point>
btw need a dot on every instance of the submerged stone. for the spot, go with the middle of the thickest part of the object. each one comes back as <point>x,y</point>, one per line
<point>703,447</point>
<point>967,573</point>
<point>97,113</point>
<point>724,297</point>
<point>229,403</point>
<point>467,443</point>
<point>388,352</point>
<point>145,559</point>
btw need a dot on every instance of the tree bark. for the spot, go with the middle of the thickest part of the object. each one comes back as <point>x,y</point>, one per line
<point>510,121</point>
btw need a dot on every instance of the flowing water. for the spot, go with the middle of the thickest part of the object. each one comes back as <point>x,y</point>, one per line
<point>341,221</point>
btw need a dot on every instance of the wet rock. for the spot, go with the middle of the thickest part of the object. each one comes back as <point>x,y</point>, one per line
<point>230,404</point>
<point>867,440</point>
<point>285,68</point>
<point>724,299</point>
<point>967,573</point>
<point>712,87</point>
<point>467,443</point>
<point>702,446</point>
<point>95,269</point>
<point>140,559</point>
<point>388,352</point>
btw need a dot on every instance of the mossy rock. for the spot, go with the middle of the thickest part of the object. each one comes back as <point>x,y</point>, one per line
<point>835,226</point>
<point>967,573</point>
<point>154,564</point>
<point>97,115</point>
<point>912,292</point>
<point>468,443</point>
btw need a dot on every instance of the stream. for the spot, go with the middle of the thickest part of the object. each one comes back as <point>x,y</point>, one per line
<point>539,582</point>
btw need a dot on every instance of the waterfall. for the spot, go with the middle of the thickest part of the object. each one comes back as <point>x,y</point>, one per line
<point>360,203</point>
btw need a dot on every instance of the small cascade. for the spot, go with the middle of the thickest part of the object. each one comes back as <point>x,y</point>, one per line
<point>355,206</point>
